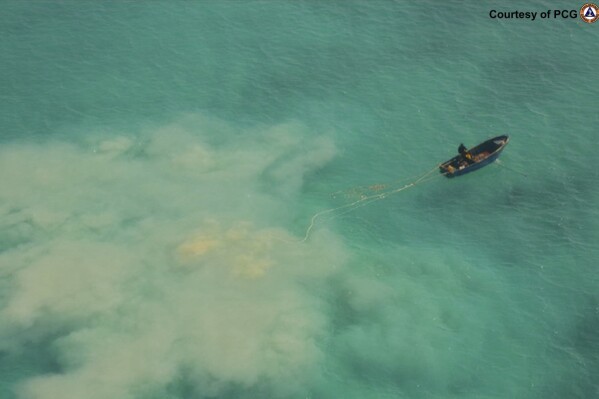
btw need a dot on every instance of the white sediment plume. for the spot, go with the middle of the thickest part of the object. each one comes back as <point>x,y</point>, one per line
<point>169,264</point>
<point>161,259</point>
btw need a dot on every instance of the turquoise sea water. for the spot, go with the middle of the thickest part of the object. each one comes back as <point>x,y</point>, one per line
<point>160,163</point>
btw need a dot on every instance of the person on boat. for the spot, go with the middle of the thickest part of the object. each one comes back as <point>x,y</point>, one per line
<point>466,155</point>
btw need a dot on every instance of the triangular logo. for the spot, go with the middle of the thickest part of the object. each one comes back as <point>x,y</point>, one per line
<point>589,13</point>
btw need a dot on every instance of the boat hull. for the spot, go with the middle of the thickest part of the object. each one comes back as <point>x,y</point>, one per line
<point>485,153</point>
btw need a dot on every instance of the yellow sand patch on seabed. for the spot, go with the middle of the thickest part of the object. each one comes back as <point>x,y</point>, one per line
<point>197,246</point>
<point>245,249</point>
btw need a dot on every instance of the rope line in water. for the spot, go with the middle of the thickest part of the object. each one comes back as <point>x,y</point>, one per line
<point>362,191</point>
<point>368,199</point>
<point>498,162</point>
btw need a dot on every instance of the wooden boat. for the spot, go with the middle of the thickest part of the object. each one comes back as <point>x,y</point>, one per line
<point>481,155</point>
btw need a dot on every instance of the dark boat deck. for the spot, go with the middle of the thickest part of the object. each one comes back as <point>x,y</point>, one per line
<point>482,155</point>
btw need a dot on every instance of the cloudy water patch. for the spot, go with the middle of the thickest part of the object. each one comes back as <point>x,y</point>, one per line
<point>157,262</point>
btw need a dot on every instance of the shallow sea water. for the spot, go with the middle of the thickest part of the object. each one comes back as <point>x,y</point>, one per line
<point>160,164</point>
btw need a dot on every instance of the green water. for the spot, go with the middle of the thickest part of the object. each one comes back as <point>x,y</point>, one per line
<point>160,163</point>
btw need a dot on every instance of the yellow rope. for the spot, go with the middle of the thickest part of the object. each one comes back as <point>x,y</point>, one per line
<point>363,190</point>
<point>498,162</point>
<point>365,200</point>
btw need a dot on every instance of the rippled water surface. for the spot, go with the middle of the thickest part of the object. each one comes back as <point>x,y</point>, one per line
<point>160,163</point>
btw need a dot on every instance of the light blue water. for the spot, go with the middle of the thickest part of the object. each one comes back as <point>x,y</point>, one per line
<point>160,162</point>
